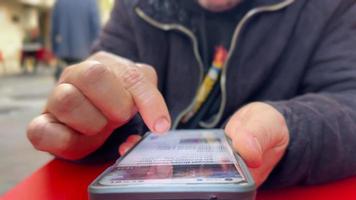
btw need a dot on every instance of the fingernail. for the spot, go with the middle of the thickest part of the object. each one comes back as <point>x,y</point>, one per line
<point>122,150</point>
<point>161,125</point>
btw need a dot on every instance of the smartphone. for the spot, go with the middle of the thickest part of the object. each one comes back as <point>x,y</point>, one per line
<point>181,164</point>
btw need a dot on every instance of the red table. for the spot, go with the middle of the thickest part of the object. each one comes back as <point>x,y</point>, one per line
<point>63,180</point>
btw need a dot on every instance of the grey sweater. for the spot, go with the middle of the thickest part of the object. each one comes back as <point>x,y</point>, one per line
<point>299,56</point>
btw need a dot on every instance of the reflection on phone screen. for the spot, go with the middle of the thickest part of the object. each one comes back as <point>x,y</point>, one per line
<point>176,158</point>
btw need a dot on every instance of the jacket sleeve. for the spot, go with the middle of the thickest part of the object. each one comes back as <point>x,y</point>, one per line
<point>322,121</point>
<point>117,37</point>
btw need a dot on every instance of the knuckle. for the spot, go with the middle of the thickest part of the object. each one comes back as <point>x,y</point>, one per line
<point>151,72</point>
<point>65,74</point>
<point>142,90</point>
<point>66,98</point>
<point>132,78</point>
<point>94,72</point>
<point>98,126</point>
<point>100,54</point>
<point>153,75</point>
<point>35,133</point>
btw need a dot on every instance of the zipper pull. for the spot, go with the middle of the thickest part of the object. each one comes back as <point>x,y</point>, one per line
<point>208,83</point>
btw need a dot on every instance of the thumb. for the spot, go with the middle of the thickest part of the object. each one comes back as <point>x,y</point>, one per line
<point>260,135</point>
<point>128,144</point>
<point>246,143</point>
<point>255,130</point>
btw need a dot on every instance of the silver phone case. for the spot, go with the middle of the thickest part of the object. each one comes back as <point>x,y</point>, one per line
<point>242,191</point>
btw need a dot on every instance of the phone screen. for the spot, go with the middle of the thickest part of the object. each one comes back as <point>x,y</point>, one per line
<point>178,157</point>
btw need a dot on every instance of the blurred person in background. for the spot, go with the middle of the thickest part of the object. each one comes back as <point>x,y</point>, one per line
<point>281,82</point>
<point>75,25</point>
<point>32,45</point>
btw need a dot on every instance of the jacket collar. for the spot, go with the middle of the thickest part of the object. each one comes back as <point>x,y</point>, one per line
<point>168,15</point>
<point>172,11</point>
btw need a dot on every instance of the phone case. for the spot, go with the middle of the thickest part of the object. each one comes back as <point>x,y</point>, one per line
<point>242,191</point>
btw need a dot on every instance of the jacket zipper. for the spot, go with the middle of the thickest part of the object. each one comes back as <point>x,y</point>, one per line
<point>186,31</point>
<point>253,12</point>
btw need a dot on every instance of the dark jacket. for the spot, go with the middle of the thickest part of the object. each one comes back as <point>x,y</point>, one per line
<point>75,26</point>
<point>297,55</point>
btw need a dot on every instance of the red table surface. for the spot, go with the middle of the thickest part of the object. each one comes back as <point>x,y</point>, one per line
<point>61,180</point>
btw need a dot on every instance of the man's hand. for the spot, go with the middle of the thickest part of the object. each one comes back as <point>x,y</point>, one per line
<point>260,135</point>
<point>93,98</point>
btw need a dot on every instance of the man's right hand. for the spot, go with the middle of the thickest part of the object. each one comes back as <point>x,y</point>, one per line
<point>93,98</point>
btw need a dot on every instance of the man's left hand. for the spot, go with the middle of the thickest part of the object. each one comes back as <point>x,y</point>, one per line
<point>260,135</point>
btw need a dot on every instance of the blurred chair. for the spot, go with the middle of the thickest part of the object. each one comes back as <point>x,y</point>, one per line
<point>45,56</point>
<point>2,62</point>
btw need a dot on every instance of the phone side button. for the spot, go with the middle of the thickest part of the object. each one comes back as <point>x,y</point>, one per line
<point>213,197</point>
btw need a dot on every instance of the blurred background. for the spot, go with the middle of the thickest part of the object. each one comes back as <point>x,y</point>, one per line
<point>38,38</point>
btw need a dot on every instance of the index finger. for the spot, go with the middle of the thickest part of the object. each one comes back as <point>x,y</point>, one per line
<point>148,99</point>
<point>140,80</point>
